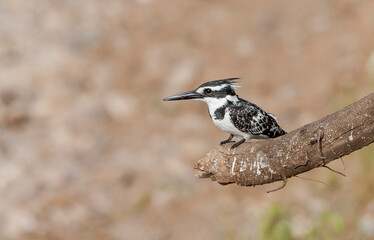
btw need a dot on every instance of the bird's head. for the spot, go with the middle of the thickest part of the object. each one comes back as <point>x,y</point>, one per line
<point>215,93</point>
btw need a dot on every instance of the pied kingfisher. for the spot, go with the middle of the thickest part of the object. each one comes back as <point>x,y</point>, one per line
<point>231,113</point>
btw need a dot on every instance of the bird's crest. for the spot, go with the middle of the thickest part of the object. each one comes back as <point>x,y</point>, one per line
<point>228,81</point>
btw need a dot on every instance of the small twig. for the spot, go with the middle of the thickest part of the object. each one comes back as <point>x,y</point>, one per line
<point>335,171</point>
<point>313,180</point>
<point>343,164</point>
<point>284,178</point>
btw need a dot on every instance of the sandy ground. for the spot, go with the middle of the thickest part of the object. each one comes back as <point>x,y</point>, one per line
<point>89,151</point>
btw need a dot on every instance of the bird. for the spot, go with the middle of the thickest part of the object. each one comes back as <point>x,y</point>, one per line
<point>232,114</point>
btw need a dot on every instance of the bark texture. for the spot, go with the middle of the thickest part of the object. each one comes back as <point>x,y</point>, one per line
<point>311,146</point>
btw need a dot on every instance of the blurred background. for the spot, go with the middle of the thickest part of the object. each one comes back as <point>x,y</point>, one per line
<point>89,151</point>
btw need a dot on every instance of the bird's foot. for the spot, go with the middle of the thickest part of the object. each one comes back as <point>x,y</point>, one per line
<point>238,143</point>
<point>227,140</point>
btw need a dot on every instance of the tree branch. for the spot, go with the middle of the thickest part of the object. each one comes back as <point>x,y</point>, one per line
<point>311,146</point>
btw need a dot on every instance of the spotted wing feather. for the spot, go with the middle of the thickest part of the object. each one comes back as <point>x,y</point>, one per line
<point>249,118</point>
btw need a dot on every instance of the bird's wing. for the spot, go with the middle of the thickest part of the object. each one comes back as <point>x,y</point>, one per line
<point>249,118</point>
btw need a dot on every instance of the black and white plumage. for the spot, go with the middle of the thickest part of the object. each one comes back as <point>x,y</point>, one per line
<point>231,113</point>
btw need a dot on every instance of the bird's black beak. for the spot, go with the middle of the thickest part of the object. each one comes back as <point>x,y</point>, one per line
<point>184,96</point>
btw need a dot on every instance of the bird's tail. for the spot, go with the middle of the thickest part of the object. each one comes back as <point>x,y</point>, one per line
<point>279,131</point>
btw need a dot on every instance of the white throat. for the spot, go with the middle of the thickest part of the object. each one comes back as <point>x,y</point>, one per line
<point>215,103</point>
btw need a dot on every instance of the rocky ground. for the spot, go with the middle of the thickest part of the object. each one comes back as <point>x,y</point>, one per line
<point>89,151</point>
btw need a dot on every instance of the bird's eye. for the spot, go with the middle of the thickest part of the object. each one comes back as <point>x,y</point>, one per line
<point>207,90</point>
